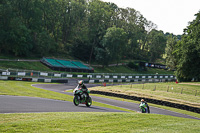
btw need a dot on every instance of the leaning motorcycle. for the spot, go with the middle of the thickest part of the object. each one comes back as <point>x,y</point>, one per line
<point>81,97</point>
<point>144,108</point>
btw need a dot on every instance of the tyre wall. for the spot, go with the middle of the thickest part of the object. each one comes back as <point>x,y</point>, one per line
<point>154,101</point>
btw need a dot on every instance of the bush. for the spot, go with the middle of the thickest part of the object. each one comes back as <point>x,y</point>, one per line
<point>132,65</point>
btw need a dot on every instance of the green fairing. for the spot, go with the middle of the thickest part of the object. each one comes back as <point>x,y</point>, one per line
<point>78,99</point>
<point>79,91</point>
<point>143,106</point>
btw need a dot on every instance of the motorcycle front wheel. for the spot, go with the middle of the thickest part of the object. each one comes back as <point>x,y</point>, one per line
<point>76,101</point>
<point>89,102</point>
<point>142,110</point>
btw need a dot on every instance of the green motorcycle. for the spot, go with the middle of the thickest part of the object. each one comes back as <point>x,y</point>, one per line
<point>81,97</point>
<point>144,108</point>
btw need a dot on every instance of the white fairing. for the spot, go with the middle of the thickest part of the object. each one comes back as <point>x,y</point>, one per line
<point>75,89</point>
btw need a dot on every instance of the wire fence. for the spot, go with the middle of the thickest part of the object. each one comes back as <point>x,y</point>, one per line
<point>167,88</point>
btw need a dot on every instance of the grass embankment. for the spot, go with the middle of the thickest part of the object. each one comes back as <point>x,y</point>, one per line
<point>22,88</point>
<point>162,91</point>
<point>37,66</point>
<point>153,105</point>
<point>96,123</point>
<point>24,65</point>
<point>124,69</point>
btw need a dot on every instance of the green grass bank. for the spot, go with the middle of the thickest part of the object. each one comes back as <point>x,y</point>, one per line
<point>187,94</point>
<point>96,123</point>
<point>82,121</point>
<point>37,66</point>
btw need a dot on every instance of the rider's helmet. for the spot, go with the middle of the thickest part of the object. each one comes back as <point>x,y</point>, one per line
<point>142,100</point>
<point>81,83</point>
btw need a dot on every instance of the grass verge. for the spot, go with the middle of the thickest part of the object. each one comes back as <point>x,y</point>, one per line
<point>84,122</point>
<point>24,65</point>
<point>22,88</point>
<point>164,91</point>
<point>124,69</point>
<point>153,105</point>
<point>96,122</point>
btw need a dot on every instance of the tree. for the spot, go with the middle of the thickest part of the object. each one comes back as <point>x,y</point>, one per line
<point>171,61</point>
<point>113,43</point>
<point>156,45</point>
<point>188,52</point>
<point>45,44</point>
<point>76,28</point>
<point>129,20</point>
<point>99,17</point>
<point>15,34</point>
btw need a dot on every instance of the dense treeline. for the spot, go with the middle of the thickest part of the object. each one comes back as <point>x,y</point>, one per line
<point>184,55</point>
<point>89,30</point>
<point>92,30</point>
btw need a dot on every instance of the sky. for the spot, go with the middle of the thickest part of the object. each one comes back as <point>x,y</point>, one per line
<point>169,15</point>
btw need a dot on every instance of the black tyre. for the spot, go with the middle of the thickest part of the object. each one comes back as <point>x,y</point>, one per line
<point>76,101</point>
<point>143,110</point>
<point>89,102</point>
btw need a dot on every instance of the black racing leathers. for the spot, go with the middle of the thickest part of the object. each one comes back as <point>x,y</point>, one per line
<point>84,89</point>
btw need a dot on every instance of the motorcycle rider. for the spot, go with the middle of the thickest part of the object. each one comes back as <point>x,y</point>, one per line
<point>144,105</point>
<point>83,87</point>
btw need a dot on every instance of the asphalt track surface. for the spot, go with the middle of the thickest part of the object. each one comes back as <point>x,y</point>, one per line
<point>22,104</point>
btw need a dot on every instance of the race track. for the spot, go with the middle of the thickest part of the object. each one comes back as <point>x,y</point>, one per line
<point>128,105</point>
<point>19,104</point>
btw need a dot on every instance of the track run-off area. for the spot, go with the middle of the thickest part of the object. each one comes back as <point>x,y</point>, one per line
<point>22,104</point>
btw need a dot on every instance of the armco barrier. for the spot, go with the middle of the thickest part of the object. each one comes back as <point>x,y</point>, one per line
<point>154,101</point>
<point>127,80</point>
<point>122,76</point>
<point>64,80</point>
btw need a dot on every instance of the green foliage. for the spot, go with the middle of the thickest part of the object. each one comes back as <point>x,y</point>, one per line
<point>20,41</point>
<point>133,65</point>
<point>78,28</point>
<point>44,44</point>
<point>188,52</point>
<point>113,43</point>
<point>170,48</point>
<point>156,45</point>
<point>102,56</point>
